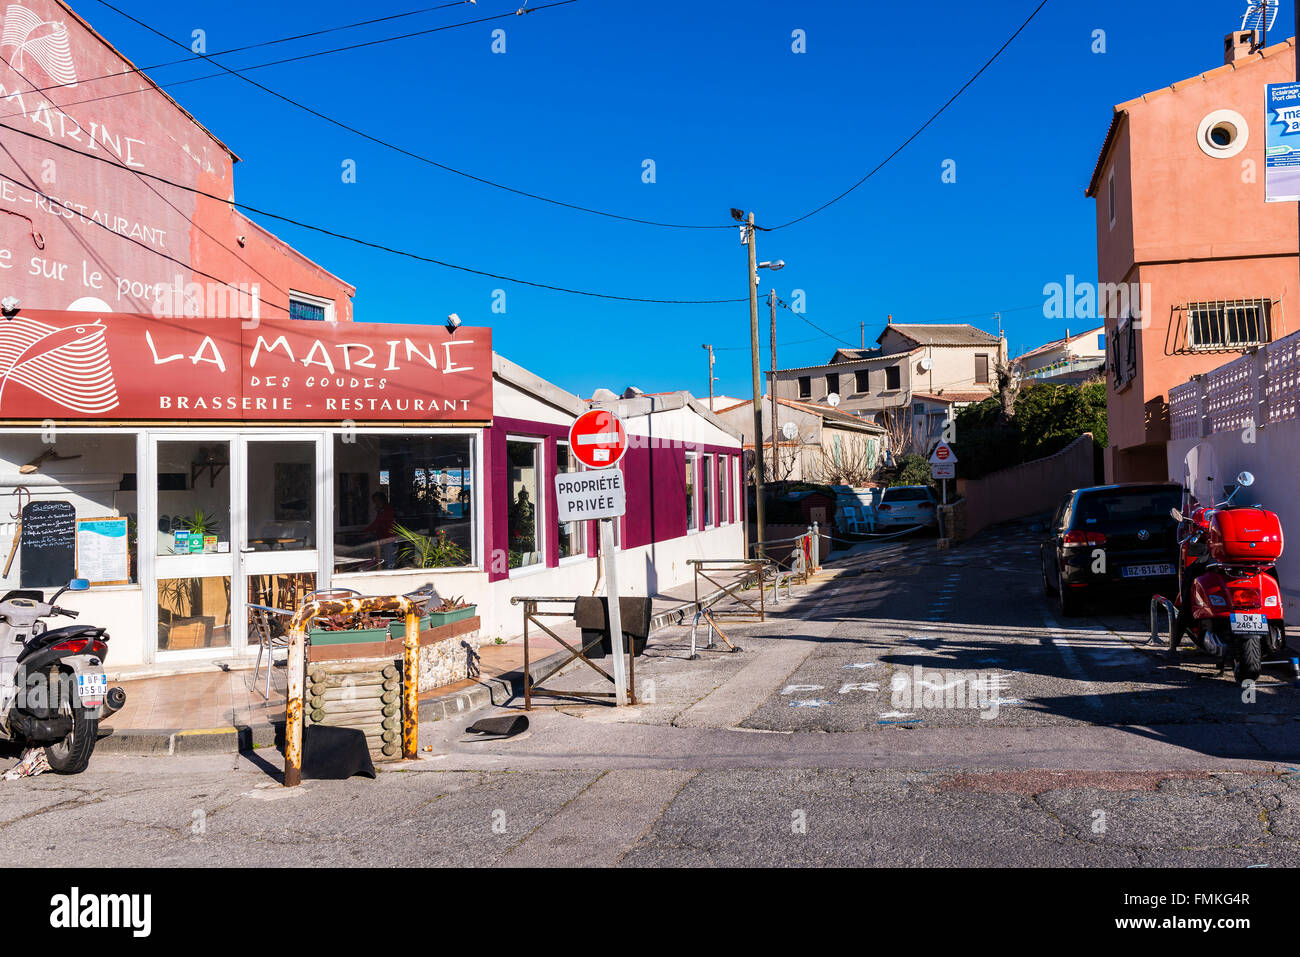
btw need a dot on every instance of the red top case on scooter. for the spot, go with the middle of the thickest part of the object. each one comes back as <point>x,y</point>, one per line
<point>1245,535</point>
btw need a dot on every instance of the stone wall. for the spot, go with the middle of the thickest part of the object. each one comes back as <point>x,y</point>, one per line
<point>450,660</point>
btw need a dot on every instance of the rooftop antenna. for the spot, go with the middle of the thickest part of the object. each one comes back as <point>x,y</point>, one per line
<point>1259,18</point>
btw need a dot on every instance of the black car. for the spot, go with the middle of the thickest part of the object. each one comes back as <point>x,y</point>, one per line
<point>1112,540</point>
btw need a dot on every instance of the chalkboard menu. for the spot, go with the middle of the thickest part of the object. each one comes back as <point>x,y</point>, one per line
<point>48,547</point>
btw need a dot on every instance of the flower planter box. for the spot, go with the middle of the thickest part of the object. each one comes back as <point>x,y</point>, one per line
<point>358,636</point>
<point>398,628</point>
<point>437,618</point>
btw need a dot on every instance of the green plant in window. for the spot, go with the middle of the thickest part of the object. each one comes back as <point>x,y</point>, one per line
<point>423,551</point>
<point>201,523</point>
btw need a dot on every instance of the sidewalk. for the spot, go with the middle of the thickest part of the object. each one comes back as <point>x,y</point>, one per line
<point>221,710</point>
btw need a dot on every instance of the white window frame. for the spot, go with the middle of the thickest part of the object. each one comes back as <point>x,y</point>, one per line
<point>476,539</point>
<point>724,482</point>
<point>543,535</point>
<point>583,523</point>
<point>693,512</point>
<point>326,304</point>
<point>708,496</point>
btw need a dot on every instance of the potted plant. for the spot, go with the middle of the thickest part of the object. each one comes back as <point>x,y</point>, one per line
<point>451,609</point>
<point>421,551</point>
<point>349,629</point>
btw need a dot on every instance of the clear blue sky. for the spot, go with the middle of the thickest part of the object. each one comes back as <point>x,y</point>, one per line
<point>714,95</point>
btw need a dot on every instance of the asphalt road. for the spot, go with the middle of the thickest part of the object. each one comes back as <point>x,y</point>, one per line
<point>1074,743</point>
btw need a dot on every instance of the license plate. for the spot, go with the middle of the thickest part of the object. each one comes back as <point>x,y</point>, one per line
<point>1251,624</point>
<point>1146,571</point>
<point>91,689</point>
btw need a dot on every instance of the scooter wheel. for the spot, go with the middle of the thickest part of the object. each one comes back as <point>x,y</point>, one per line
<point>1248,664</point>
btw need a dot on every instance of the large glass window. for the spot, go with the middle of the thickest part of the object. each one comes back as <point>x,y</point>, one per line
<point>284,520</point>
<point>706,491</point>
<point>572,542</point>
<point>403,501</point>
<point>691,514</point>
<point>724,488</point>
<point>95,474</point>
<point>193,498</point>
<point>525,461</point>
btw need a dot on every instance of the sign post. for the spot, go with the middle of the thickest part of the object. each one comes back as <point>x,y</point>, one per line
<point>599,440</point>
<point>943,466</point>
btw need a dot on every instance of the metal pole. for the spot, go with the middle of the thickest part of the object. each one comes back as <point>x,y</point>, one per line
<point>758,389</point>
<point>293,709</point>
<point>710,351</point>
<point>411,685</point>
<point>615,612</point>
<point>776,448</point>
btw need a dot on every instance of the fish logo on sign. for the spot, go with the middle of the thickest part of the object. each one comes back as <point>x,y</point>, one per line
<point>43,41</point>
<point>68,365</point>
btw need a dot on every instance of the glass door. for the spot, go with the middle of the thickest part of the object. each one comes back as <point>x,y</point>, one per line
<point>194,560</point>
<point>282,503</point>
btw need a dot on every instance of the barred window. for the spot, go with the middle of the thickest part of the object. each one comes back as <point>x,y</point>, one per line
<point>1231,324</point>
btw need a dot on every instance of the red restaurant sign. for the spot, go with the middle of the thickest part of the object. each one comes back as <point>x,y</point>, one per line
<point>71,365</point>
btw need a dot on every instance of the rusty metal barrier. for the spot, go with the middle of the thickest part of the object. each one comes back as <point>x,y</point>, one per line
<point>533,616</point>
<point>293,708</point>
<point>755,570</point>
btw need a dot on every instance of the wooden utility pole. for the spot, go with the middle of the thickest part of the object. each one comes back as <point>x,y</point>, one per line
<point>750,279</point>
<point>776,440</point>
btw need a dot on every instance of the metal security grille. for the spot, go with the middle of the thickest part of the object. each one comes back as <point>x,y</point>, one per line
<point>1228,324</point>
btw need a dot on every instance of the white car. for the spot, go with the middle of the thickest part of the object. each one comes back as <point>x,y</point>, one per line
<point>907,506</point>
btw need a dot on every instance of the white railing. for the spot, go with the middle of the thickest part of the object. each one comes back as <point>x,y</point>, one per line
<point>1260,387</point>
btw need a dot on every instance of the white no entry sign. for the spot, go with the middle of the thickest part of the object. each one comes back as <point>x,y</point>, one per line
<point>598,439</point>
<point>581,496</point>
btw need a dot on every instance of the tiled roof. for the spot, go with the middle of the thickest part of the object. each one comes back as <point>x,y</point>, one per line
<point>949,398</point>
<point>962,334</point>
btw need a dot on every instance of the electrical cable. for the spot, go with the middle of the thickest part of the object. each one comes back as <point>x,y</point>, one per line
<point>363,242</point>
<point>924,126</point>
<point>376,139</point>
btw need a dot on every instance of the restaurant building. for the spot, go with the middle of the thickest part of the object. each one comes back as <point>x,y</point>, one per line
<point>190,418</point>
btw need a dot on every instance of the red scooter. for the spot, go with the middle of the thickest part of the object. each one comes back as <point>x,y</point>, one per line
<point>1229,602</point>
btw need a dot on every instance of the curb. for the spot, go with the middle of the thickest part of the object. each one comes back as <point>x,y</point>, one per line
<point>496,690</point>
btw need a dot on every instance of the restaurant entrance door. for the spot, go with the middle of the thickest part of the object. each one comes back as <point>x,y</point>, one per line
<point>283,503</point>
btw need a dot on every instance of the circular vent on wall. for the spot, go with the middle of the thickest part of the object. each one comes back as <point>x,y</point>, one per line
<point>1223,134</point>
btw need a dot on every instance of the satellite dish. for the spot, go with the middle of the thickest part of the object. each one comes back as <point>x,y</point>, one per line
<point>833,400</point>
<point>790,431</point>
<point>927,364</point>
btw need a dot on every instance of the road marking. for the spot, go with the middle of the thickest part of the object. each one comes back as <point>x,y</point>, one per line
<point>1071,660</point>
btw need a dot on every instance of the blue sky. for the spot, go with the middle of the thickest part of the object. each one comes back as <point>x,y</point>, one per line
<point>714,95</point>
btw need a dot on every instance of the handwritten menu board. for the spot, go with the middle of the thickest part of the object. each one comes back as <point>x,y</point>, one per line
<point>103,557</point>
<point>48,547</point>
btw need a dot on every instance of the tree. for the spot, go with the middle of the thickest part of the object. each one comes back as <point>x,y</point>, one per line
<point>1046,418</point>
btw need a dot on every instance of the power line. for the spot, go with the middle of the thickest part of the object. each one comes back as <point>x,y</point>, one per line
<point>924,126</point>
<point>142,245</point>
<point>363,242</point>
<point>371,137</point>
<point>264,43</point>
<point>781,302</point>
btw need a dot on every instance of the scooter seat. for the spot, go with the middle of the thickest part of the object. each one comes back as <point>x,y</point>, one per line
<point>57,635</point>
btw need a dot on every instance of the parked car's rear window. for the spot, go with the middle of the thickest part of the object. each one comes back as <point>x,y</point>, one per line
<point>1097,508</point>
<point>906,495</point>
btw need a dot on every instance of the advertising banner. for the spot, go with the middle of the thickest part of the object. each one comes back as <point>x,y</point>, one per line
<point>1282,148</point>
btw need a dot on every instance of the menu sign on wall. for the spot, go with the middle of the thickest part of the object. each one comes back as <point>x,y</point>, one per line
<point>61,365</point>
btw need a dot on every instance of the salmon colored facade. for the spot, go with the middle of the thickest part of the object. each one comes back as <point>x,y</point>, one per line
<point>91,219</point>
<point>1182,221</point>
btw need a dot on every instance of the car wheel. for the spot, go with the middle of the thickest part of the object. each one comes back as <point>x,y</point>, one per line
<point>1048,590</point>
<point>1066,600</point>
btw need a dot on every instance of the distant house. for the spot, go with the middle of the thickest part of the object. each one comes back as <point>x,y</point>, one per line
<point>1072,359</point>
<point>822,445</point>
<point>952,365</point>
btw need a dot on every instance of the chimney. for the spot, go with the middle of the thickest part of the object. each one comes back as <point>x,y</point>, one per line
<point>1238,45</point>
<point>889,320</point>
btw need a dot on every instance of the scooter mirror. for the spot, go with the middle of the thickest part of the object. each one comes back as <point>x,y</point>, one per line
<point>1177,515</point>
<point>79,584</point>
<point>1245,480</point>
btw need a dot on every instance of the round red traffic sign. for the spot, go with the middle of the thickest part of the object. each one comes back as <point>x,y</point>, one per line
<point>943,453</point>
<point>598,439</point>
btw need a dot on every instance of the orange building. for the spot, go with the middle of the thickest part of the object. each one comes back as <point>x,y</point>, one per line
<point>1193,265</point>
